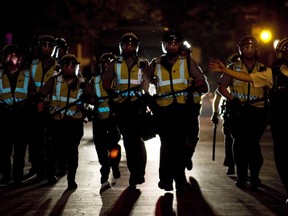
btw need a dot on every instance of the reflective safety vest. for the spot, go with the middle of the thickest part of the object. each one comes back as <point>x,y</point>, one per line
<point>103,109</point>
<point>121,81</point>
<point>240,89</point>
<point>36,72</point>
<point>180,78</point>
<point>60,100</point>
<point>21,90</point>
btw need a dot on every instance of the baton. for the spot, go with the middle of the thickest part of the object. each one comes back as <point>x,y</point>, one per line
<point>214,141</point>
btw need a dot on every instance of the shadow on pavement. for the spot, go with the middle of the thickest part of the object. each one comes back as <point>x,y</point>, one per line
<point>125,202</point>
<point>189,202</point>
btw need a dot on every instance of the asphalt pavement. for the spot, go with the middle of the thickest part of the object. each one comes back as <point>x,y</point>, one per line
<point>210,192</point>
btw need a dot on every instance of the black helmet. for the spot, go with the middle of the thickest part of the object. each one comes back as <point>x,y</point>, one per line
<point>248,39</point>
<point>61,42</point>
<point>107,57</point>
<point>46,39</point>
<point>69,58</point>
<point>172,35</point>
<point>129,37</point>
<point>8,49</point>
<point>281,47</point>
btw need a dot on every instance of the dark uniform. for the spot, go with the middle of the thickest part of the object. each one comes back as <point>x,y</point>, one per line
<point>178,89</point>
<point>65,124</point>
<point>126,91</point>
<point>105,132</point>
<point>279,107</point>
<point>222,110</point>
<point>17,91</point>
<point>42,69</point>
<point>247,114</point>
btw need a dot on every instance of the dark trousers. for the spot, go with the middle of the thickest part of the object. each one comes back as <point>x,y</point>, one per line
<point>37,142</point>
<point>128,121</point>
<point>14,139</point>
<point>279,128</point>
<point>106,137</point>
<point>173,132</point>
<point>228,143</point>
<point>247,127</point>
<point>62,146</point>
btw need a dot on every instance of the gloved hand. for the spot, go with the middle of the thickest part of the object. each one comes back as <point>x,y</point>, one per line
<point>112,93</point>
<point>234,104</point>
<point>146,99</point>
<point>84,98</point>
<point>214,118</point>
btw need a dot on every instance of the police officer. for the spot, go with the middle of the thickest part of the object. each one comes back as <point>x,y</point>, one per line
<point>193,138</point>
<point>105,132</point>
<point>42,68</point>
<point>228,140</point>
<point>221,110</point>
<point>126,80</point>
<point>247,113</point>
<point>176,83</point>
<point>17,91</point>
<point>277,81</point>
<point>65,126</point>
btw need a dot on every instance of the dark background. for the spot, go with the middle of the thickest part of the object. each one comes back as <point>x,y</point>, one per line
<point>213,27</point>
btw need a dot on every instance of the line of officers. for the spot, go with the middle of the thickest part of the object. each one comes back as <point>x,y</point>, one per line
<point>45,102</point>
<point>126,96</point>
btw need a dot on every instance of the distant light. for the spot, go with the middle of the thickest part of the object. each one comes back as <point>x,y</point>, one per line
<point>265,36</point>
<point>9,37</point>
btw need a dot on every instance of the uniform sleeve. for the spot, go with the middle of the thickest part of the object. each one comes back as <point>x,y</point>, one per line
<point>262,79</point>
<point>47,87</point>
<point>199,79</point>
<point>225,80</point>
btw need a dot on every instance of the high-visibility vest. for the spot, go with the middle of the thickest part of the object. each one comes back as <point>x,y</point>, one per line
<point>121,81</point>
<point>37,73</point>
<point>60,100</point>
<point>239,89</point>
<point>180,79</point>
<point>103,109</point>
<point>21,90</point>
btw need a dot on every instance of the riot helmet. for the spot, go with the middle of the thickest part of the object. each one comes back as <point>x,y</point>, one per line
<point>46,45</point>
<point>11,55</point>
<point>69,61</point>
<point>248,42</point>
<point>107,57</point>
<point>129,39</point>
<point>281,47</point>
<point>60,49</point>
<point>105,60</point>
<point>172,37</point>
<point>61,42</point>
<point>46,40</point>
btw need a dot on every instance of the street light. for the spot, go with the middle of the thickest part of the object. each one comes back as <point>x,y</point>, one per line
<point>262,34</point>
<point>265,36</point>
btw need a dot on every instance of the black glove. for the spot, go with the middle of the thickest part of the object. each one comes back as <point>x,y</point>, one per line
<point>84,98</point>
<point>214,118</point>
<point>112,93</point>
<point>234,104</point>
<point>147,99</point>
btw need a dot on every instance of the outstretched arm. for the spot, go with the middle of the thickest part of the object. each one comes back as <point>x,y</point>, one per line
<point>218,67</point>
